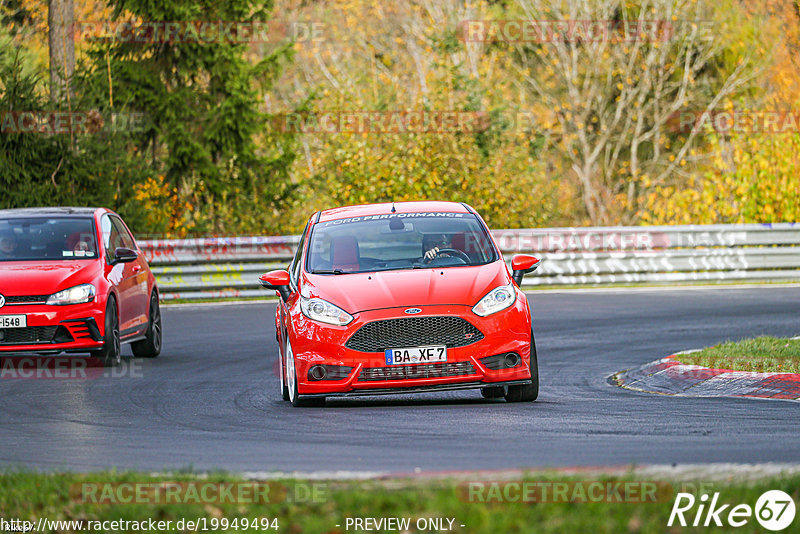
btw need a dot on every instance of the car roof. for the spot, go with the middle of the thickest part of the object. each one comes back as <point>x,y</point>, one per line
<point>386,208</point>
<point>43,212</point>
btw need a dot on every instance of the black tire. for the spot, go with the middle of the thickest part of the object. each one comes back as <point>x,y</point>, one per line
<point>150,346</point>
<point>111,353</point>
<point>527,392</point>
<point>493,392</point>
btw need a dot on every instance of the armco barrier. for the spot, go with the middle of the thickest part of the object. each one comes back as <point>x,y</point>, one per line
<point>229,267</point>
<point>219,267</point>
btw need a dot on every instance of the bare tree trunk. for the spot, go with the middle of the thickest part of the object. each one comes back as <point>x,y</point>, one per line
<point>612,99</point>
<point>62,48</point>
<point>588,192</point>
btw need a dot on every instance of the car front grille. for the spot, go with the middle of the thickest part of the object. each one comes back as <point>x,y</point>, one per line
<point>378,336</point>
<point>30,335</point>
<point>411,372</point>
<point>27,299</point>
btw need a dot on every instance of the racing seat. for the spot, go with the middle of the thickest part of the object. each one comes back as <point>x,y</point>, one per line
<point>344,253</point>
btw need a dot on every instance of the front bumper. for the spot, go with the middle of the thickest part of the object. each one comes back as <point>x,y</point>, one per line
<point>54,329</point>
<point>508,331</point>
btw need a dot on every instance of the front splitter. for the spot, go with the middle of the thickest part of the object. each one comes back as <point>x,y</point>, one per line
<point>421,389</point>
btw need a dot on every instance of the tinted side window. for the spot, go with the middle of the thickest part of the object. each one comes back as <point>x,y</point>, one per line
<point>298,256</point>
<point>125,236</point>
<point>111,238</point>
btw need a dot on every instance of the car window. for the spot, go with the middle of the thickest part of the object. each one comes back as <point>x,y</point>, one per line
<point>125,236</point>
<point>296,262</point>
<point>401,241</point>
<point>112,239</point>
<point>47,238</point>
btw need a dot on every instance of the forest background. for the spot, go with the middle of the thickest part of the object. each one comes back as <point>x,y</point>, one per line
<point>693,119</point>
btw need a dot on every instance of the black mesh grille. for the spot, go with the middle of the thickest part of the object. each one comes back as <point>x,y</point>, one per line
<point>30,335</point>
<point>408,372</point>
<point>27,299</point>
<point>414,332</point>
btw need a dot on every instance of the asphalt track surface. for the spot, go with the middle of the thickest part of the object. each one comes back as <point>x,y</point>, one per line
<point>211,400</point>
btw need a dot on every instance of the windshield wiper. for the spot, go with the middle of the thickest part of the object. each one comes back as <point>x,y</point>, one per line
<point>328,271</point>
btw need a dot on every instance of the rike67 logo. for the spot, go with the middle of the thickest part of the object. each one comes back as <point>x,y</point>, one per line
<point>774,510</point>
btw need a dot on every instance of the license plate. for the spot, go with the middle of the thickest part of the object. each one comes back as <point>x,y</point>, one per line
<point>416,355</point>
<point>13,321</point>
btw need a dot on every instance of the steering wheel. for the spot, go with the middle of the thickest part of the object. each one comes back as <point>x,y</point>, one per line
<point>453,252</point>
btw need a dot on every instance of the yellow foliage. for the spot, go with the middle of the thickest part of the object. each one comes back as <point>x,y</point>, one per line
<point>756,180</point>
<point>394,59</point>
<point>161,208</point>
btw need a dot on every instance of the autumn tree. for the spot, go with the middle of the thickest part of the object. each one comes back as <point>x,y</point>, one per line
<point>752,173</point>
<point>751,179</point>
<point>43,165</point>
<point>409,57</point>
<point>609,97</point>
<point>206,135</point>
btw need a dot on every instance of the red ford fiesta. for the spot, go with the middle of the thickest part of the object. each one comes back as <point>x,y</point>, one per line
<point>399,298</point>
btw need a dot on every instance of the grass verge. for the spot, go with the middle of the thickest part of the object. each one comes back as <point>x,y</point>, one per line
<point>762,354</point>
<point>319,506</point>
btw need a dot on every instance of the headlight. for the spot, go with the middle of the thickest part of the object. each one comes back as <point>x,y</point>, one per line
<point>324,312</point>
<point>497,299</point>
<point>73,295</point>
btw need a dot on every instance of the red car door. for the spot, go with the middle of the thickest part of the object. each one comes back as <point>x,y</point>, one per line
<point>138,298</point>
<point>119,275</point>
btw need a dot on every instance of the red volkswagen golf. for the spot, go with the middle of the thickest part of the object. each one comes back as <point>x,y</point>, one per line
<point>402,298</point>
<point>74,280</point>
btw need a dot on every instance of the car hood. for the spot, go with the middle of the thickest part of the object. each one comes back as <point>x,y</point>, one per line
<point>418,287</point>
<point>34,278</point>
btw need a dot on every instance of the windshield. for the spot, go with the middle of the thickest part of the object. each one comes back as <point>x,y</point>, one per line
<point>47,238</point>
<point>401,241</point>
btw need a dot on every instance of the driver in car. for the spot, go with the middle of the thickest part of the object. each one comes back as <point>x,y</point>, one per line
<point>432,243</point>
<point>8,244</point>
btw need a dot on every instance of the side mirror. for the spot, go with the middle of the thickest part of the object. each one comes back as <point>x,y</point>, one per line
<point>124,255</point>
<point>277,280</point>
<point>522,264</point>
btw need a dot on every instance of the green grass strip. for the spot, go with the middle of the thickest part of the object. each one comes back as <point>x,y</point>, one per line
<point>762,354</point>
<point>318,506</point>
